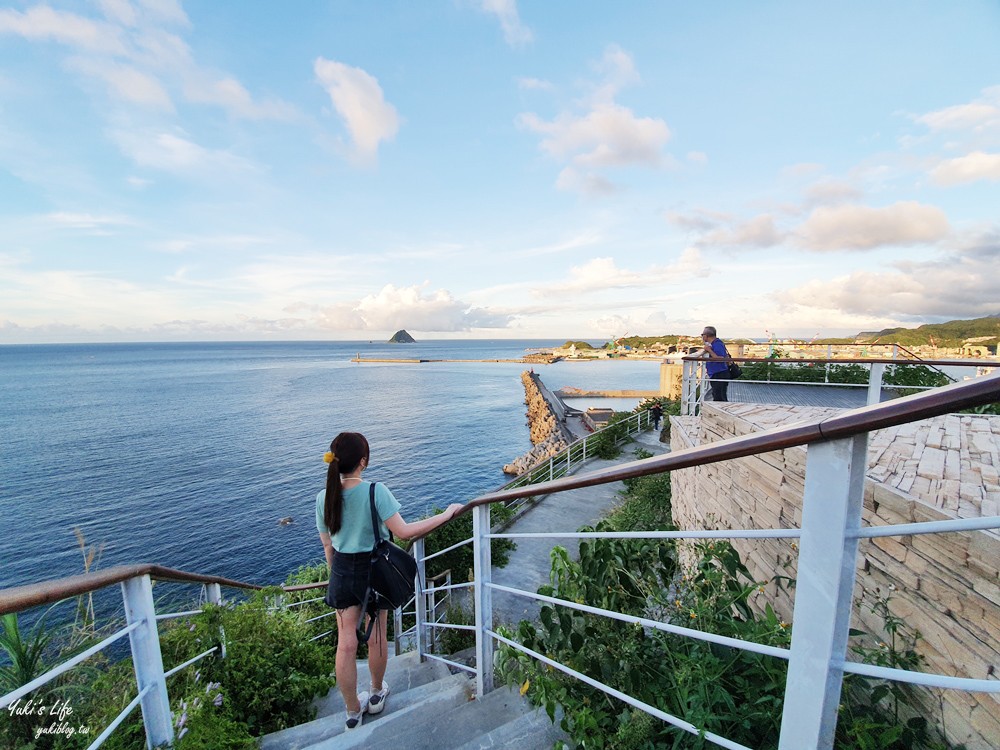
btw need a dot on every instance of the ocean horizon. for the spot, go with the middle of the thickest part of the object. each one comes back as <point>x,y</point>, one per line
<point>187,455</point>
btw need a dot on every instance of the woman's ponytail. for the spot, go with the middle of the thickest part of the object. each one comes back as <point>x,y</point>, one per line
<point>333,510</point>
<point>346,452</point>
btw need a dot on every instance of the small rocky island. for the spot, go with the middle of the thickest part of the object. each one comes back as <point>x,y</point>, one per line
<point>402,337</point>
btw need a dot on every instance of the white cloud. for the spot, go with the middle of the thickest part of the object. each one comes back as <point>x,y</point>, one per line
<point>697,157</point>
<point>231,95</point>
<point>760,231</point>
<point>952,286</point>
<point>72,220</point>
<point>358,99</point>
<point>42,23</point>
<point>981,114</point>
<point>970,168</point>
<point>535,84</point>
<point>602,273</point>
<point>607,135</point>
<point>515,33</point>
<point>394,307</point>
<point>862,228</point>
<point>177,154</point>
<point>831,192</point>
<point>125,82</point>
<point>118,11</point>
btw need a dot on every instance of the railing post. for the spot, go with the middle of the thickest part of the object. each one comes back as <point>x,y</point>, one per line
<point>419,552</point>
<point>686,387</point>
<point>831,516</point>
<point>213,592</point>
<point>483,569</point>
<point>147,660</point>
<point>875,383</point>
<point>552,472</point>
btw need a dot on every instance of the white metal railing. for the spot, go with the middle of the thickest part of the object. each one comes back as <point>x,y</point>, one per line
<point>695,381</point>
<point>150,676</point>
<point>828,543</point>
<point>577,453</point>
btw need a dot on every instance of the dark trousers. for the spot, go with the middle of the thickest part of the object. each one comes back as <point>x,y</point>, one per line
<point>720,385</point>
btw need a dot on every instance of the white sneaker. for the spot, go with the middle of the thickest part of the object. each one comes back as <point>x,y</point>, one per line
<point>354,719</point>
<point>377,701</point>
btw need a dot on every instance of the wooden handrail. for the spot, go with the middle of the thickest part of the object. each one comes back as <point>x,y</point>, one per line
<point>33,594</point>
<point>942,400</point>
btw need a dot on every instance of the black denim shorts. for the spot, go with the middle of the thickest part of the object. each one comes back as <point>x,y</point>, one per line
<point>349,580</point>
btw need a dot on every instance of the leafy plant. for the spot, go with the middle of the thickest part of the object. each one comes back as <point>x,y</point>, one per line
<point>605,444</point>
<point>734,693</point>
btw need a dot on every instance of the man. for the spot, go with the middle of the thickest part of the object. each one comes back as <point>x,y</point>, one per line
<point>718,371</point>
<point>656,412</point>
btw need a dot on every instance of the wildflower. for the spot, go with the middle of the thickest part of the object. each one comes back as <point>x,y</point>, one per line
<point>795,545</point>
<point>783,625</point>
<point>525,686</point>
<point>191,629</point>
<point>677,602</point>
<point>197,676</point>
<point>693,615</point>
<point>180,734</point>
<point>760,589</point>
<point>218,700</point>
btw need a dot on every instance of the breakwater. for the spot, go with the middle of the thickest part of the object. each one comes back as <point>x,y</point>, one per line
<point>547,433</point>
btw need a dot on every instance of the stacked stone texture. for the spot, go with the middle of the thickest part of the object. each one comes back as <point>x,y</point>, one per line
<point>944,586</point>
<point>546,433</point>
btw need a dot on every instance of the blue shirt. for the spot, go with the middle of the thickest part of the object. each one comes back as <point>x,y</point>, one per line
<point>713,367</point>
<point>356,533</point>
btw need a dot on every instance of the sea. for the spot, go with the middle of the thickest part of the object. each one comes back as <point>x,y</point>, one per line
<point>187,455</point>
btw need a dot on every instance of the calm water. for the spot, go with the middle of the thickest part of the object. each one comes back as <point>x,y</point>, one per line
<point>187,455</point>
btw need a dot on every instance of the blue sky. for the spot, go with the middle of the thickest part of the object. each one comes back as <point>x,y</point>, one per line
<point>495,169</point>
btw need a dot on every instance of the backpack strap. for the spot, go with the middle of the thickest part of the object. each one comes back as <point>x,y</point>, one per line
<point>369,606</point>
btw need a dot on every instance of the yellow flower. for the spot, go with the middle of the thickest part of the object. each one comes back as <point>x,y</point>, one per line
<point>525,686</point>
<point>783,625</point>
<point>795,546</point>
<point>693,615</point>
<point>677,602</point>
<point>328,457</point>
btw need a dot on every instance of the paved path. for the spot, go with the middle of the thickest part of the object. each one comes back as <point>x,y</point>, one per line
<point>530,563</point>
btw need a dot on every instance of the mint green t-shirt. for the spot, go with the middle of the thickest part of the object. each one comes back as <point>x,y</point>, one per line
<point>355,533</point>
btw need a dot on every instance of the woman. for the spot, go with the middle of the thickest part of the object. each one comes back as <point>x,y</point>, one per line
<point>344,521</point>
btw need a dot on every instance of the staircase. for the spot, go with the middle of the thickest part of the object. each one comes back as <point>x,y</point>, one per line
<point>428,708</point>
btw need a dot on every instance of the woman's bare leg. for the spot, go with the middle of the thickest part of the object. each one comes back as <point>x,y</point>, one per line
<point>347,654</point>
<point>378,650</point>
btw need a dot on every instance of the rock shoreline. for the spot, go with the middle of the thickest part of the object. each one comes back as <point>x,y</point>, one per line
<point>547,433</point>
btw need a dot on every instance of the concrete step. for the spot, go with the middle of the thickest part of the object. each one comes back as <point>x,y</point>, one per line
<point>529,731</point>
<point>409,681</point>
<point>401,672</point>
<point>402,722</point>
<point>436,724</point>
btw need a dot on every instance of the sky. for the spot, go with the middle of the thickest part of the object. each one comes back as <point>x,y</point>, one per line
<point>339,169</point>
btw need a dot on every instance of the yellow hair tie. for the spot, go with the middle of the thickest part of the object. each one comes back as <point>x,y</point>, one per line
<point>329,457</point>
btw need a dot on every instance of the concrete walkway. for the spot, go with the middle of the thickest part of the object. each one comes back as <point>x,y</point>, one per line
<point>530,563</point>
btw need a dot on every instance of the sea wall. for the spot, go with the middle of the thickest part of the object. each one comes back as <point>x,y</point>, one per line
<point>545,425</point>
<point>944,586</point>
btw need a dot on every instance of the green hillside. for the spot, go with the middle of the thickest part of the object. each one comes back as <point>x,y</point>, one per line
<point>954,333</point>
<point>951,334</point>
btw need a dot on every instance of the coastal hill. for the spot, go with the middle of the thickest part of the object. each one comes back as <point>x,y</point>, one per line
<point>953,334</point>
<point>402,337</point>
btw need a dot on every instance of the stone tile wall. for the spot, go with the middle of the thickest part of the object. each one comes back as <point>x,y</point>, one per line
<point>945,586</point>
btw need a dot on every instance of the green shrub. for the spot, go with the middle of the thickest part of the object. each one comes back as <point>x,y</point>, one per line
<point>734,693</point>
